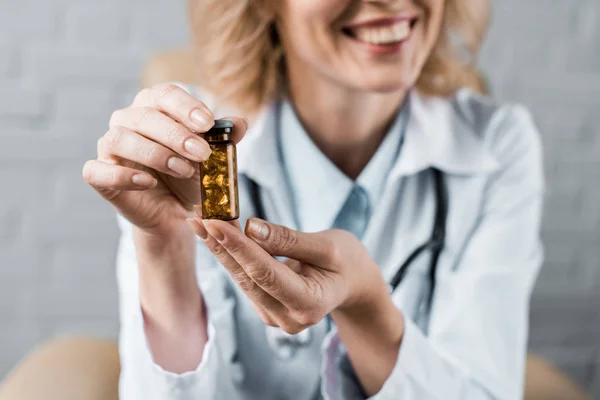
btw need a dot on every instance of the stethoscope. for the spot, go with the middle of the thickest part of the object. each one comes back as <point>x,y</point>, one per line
<point>286,345</point>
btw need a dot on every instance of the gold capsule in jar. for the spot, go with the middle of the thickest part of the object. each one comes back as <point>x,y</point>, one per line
<point>218,175</point>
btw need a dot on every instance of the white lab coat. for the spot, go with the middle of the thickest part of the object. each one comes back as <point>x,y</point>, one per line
<point>473,343</point>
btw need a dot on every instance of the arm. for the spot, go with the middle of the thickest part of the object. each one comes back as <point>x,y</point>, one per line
<point>172,306</point>
<point>146,169</point>
<point>155,316</point>
<point>477,337</point>
<point>372,335</point>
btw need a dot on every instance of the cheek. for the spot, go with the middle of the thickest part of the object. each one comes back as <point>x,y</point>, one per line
<point>303,21</point>
<point>298,13</point>
<point>431,30</point>
<point>436,9</point>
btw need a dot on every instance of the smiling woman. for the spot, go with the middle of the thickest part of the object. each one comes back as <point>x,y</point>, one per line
<point>246,50</point>
<point>364,133</point>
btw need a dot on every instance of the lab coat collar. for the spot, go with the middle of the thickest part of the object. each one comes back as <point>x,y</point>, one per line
<point>436,136</point>
<point>258,156</point>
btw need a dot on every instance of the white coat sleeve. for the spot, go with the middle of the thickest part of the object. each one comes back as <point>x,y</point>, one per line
<point>476,345</point>
<point>141,378</point>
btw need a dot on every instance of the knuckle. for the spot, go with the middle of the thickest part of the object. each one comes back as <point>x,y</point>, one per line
<point>182,101</point>
<point>291,327</point>
<point>245,284</point>
<point>142,95</point>
<point>87,172</point>
<point>176,134</point>
<point>114,136</point>
<point>144,113</point>
<point>313,319</point>
<point>217,250</point>
<point>114,177</point>
<point>117,116</point>
<point>151,154</point>
<point>285,239</point>
<point>306,318</point>
<point>164,89</point>
<point>264,277</point>
<point>268,321</point>
<point>238,248</point>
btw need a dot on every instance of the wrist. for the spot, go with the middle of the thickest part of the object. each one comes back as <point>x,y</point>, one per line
<point>371,330</point>
<point>168,286</point>
<point>159,244</point>
<point>368,292</point>
<point>371,310</point>
<point>362,306</point>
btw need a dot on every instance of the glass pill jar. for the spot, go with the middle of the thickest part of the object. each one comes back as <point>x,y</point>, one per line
<point>218,175</point>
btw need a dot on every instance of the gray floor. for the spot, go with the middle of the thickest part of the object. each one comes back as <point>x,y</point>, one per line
<point>65,66</point>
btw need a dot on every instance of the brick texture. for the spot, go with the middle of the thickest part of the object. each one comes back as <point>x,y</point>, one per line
<point>65,65</point>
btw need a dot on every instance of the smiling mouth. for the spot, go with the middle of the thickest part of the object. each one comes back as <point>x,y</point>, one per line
<point>382,32</point>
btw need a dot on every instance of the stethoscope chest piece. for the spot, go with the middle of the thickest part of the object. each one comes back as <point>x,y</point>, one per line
<point>286,345</point>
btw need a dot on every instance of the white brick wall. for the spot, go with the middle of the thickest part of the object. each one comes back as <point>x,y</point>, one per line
<point>66,64</point>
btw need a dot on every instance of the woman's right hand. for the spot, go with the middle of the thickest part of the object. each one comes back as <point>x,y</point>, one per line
<point>147,164</point>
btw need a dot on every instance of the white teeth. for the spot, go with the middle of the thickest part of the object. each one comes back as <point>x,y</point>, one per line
<point>383,35</point>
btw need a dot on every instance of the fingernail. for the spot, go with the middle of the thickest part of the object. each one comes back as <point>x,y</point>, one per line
<point>202,120</point>
<point>144,180</point>
<point>214,232</point>
<point>200,150</point>
<point>198,227</point>
<point>258,230</point>
<point>198,210</point>
<point>180,167</point>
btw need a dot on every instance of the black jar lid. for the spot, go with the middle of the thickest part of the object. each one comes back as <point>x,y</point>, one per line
<point>221,126</point>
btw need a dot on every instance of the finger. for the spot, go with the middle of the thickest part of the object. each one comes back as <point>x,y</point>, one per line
<point>183,107</point>
<point>179,104</point>
<point>240,127</point>
<point>312,248</point>
<point>104,176</point>
<point>123,143</point>
<point>235,223</point>
<point>272,276</point>
<point>159,128</point>
<point>256,294</point>
<point>263,313</point>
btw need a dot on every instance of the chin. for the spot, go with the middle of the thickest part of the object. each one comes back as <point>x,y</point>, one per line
<point>379,85</point>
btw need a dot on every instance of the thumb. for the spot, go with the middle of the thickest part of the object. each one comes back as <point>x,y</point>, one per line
<point>312,248</point>
<point>240,127</point>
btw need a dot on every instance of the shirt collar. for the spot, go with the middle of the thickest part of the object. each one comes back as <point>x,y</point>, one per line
<point>436,136</point>
<point>318,187</point>
<point>374,176</point>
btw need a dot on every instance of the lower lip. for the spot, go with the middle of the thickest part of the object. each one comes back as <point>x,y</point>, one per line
<point>382,49</point>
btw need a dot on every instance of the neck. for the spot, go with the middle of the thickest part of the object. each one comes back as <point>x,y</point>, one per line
<point>346,124</point>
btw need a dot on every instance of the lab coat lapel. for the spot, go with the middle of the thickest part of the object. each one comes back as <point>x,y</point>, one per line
<point>258,156</point>
<point>259,159</point>
<point>437,137</point>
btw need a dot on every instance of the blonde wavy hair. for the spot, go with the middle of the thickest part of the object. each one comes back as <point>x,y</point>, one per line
<point>239,56</point>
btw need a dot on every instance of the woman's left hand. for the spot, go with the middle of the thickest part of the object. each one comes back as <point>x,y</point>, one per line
<point>324,271</point>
